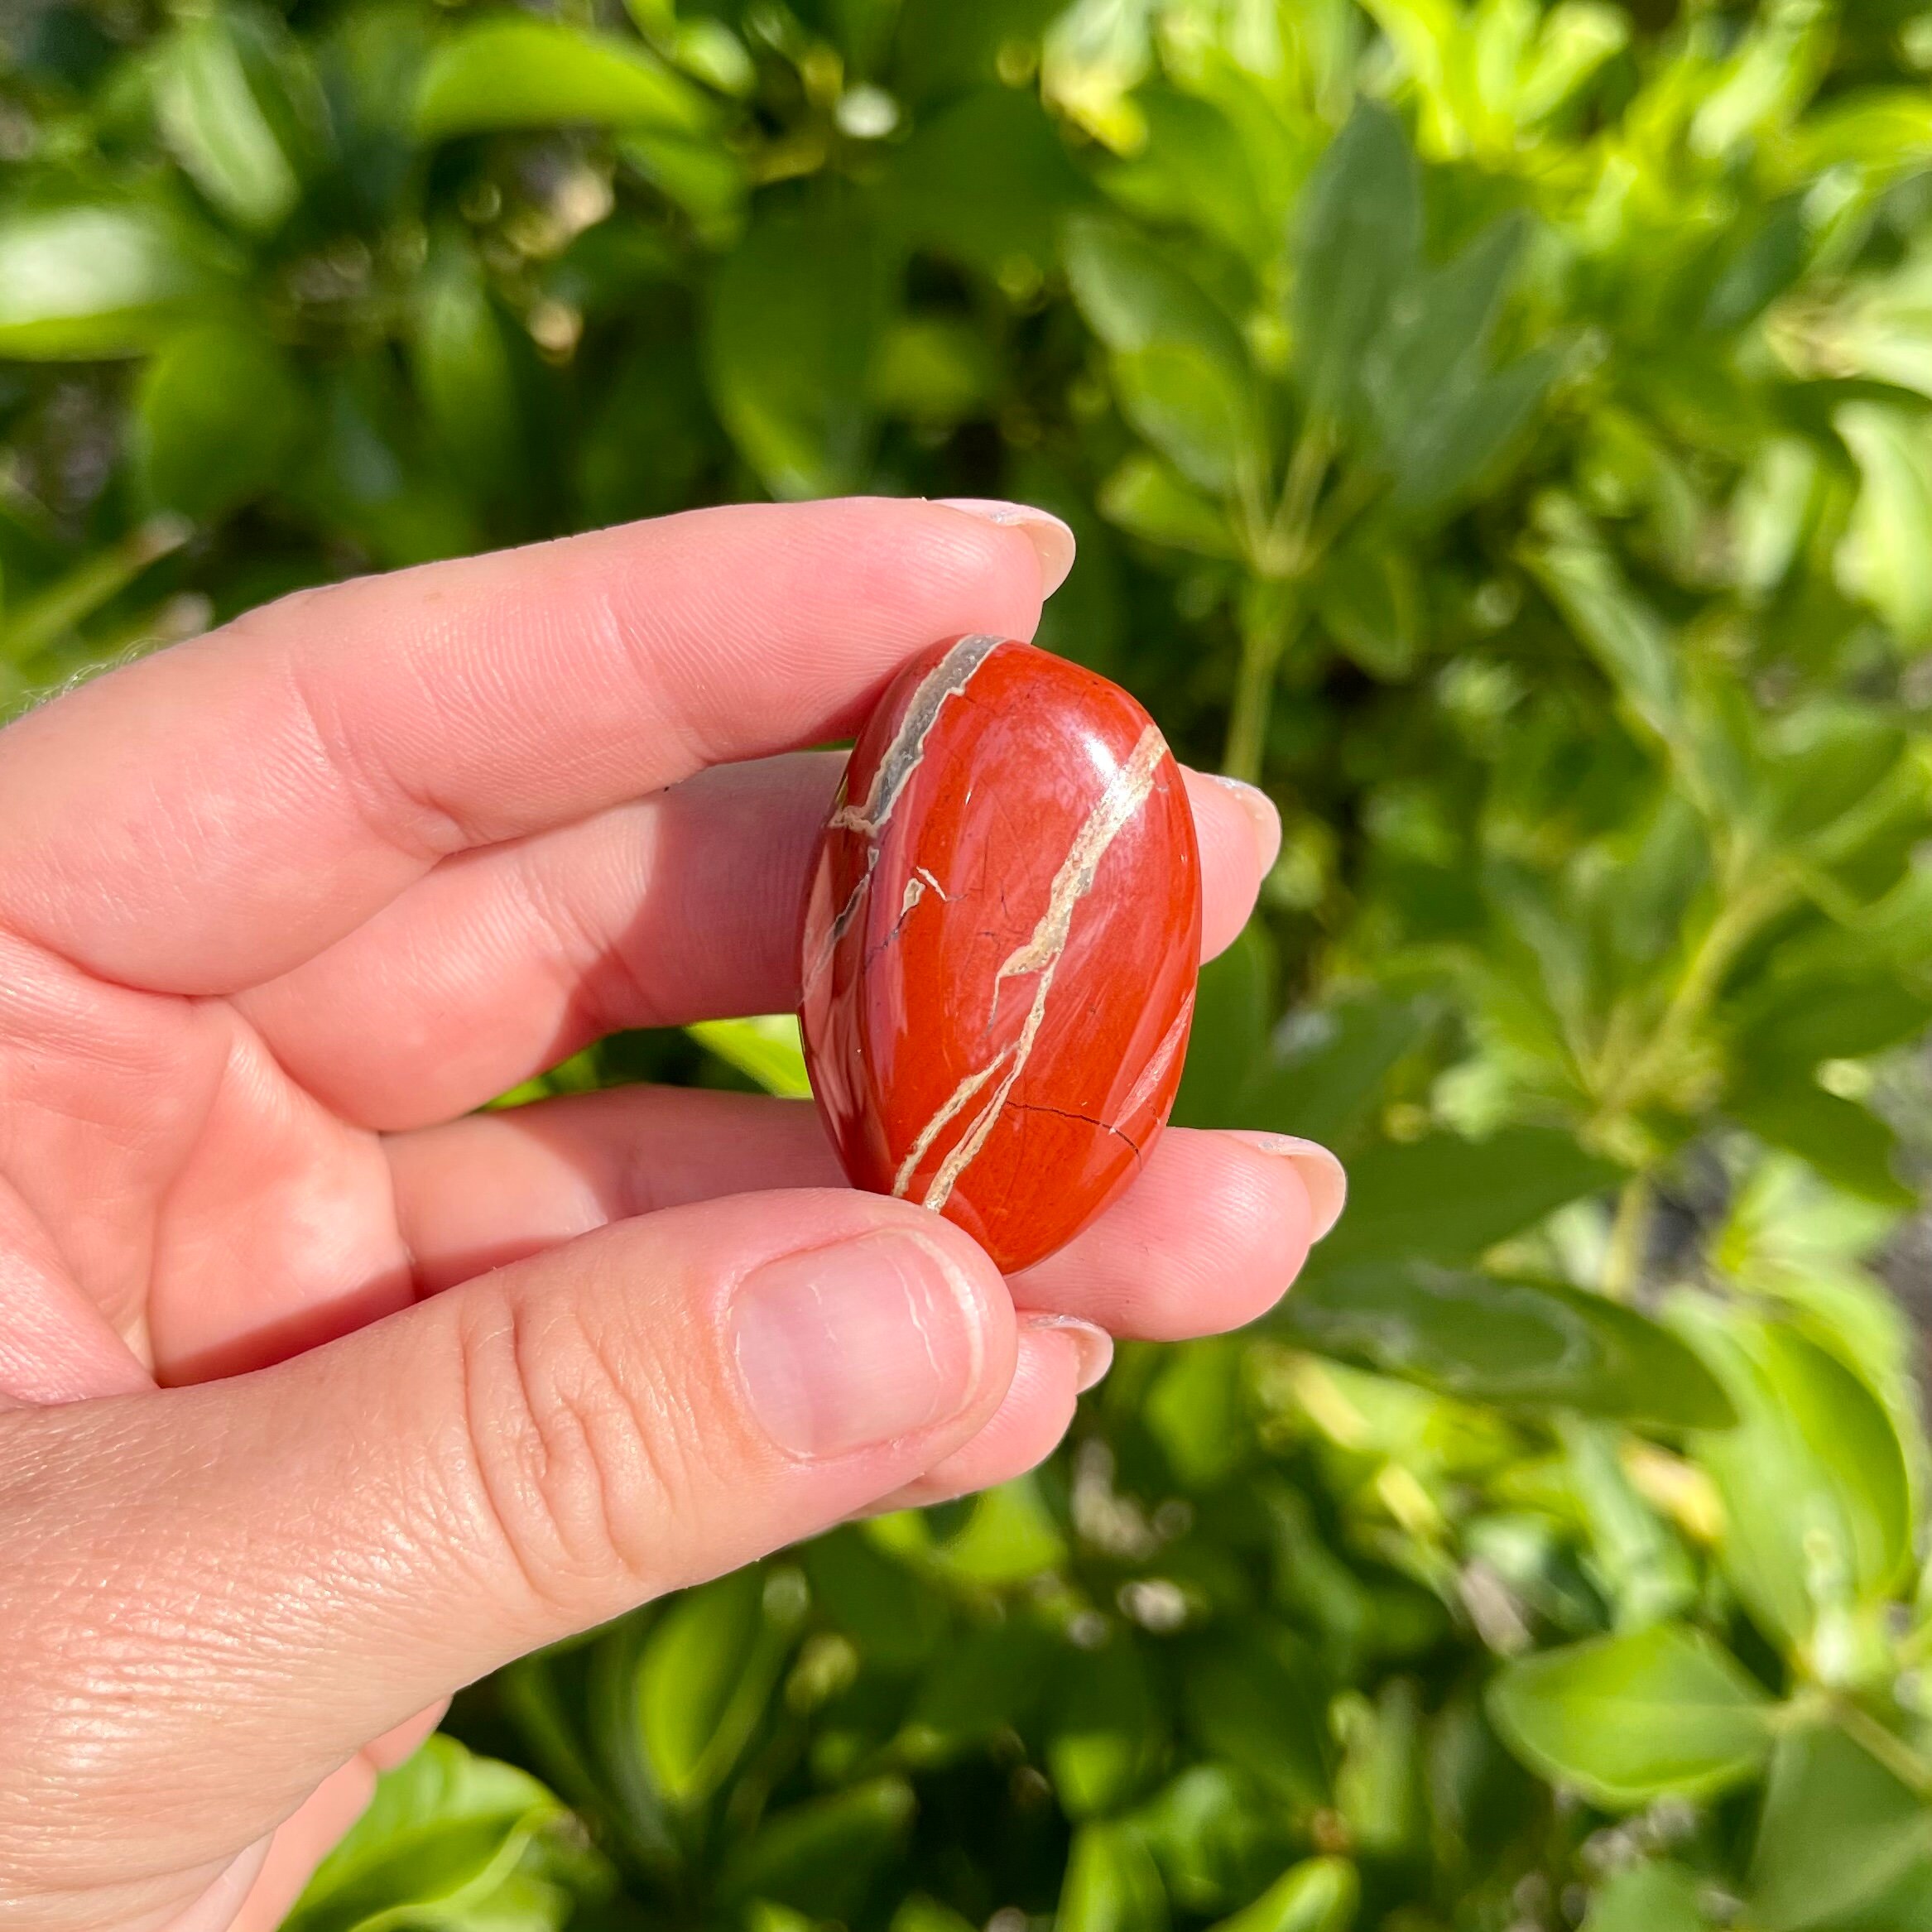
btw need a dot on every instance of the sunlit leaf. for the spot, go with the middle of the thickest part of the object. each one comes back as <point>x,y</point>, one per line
<point>514,70</point>
<point>1625,1719</point>
<point>444,1830</point>
<point>92,280</point>
<point>1839,1832</point>
<point>1887,555</point>
<point>237,101</point>
<point>1319,1895</point>
<point>1815,1483</point>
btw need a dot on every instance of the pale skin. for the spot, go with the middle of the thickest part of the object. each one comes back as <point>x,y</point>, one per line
<point>322,1394</point>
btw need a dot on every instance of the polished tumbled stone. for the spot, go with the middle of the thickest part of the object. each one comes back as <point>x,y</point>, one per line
<point>1000,945</point>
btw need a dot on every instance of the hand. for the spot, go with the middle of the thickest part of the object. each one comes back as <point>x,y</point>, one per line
<point>323,1395</point>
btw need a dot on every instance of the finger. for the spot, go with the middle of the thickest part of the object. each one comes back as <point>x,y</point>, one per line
<point>403,1740</point>
<point>238,802</point>
<point>1058,1360</point>
<point>684,906</point>
<point>266,1571</point>
<point>1210,1234</point>
<point>304,1841</point>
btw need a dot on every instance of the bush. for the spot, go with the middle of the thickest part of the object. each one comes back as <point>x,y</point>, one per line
<point>1508,434</point>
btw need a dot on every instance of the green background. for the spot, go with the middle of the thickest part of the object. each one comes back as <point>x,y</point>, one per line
<point>1505,431</point>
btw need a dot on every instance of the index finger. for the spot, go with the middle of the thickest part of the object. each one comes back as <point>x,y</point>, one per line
<point>216,814</point>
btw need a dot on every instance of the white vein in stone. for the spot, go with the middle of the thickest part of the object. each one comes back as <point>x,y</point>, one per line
<point>901,758</point>
<point>944,1119</point>
<point>1143,1089</point>
<point>891,775</point>
<point>1126,791</point>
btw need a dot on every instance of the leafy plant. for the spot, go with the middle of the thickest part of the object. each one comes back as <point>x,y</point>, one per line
<point>1505,431</point>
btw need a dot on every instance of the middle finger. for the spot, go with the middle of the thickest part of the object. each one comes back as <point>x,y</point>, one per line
<point>1212,1232</point>
<point>682,906</point>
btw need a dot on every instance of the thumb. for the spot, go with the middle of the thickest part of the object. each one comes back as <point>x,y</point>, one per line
<point>216,1595</point>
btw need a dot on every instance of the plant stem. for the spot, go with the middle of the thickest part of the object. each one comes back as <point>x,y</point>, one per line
<point>1280,557</point>
<point>1267,624</point>
<point>1893,1751</point>
<point>1623,1260</point>
<point>1728,933</point>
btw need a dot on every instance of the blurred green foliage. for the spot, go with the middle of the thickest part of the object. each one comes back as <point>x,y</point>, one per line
<point>1507,431</point>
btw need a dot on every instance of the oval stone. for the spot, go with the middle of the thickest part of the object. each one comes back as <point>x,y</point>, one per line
<point>1001,944</point>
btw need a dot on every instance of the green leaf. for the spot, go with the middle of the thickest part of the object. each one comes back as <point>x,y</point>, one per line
<point>1327,1066</point>
<point>708,180</point>
<point>1439,329</point>
<point>1648,1898</point>
<point>1112,1884</point>
<point>1217,1835</point>
<point>1625,1719</point>
<point>512,70</point>
<point>1449,448</point>
<point>1148,500</point>
<point>1198,168</point>
<point>706,1671</point>
<point>1105,1737</point>
<point>1361,229</point>
<point>1232,999</point>
<point>987,181</point>
<point>1634,1558</point>
<point>1133,296</point>
<point>218,415</point>
<point>796,315</point>
<point>1369,600</point>
<point>821,1856</point>
<point>239,105</point>
<point>767,1048</point>
<point>1577,36</point>
<point>1194,1411</point>
<point>461,364</point>
<point>1319,1895</point>
<point>1848,1144</point>
<point>1253,1699</point>
<point>917,1913</point>
<point>992,1682</point>
<point>1185,403</point>
<point>933,370</point>
<point>1839,1831</point>
<point>1185,379</point>
<point>1513,1343</point>
<point>895,1620</point>
<point>82,282</point>
<point>1887,555</point>
<point>1008,1537</point>
<point>1814,1482</point>
<point>1378,1785</point>
<point>1620,631</point>
<point>443,1832</point>
<point>1447,1199</point>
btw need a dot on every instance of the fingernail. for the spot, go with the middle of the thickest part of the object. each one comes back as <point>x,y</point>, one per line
<point>1051,538</point>
<point>844,1348</point>
<point>1092,1346</point>
<point>1261,814</point>
<point>1324,1176</point>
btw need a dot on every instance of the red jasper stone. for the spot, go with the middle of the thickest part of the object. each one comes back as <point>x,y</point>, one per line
<point>1000,945</point>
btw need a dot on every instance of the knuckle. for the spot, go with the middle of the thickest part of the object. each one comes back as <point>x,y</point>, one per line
<point>577,1455</point>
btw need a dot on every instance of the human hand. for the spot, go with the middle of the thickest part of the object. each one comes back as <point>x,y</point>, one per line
<point>321,1395</point>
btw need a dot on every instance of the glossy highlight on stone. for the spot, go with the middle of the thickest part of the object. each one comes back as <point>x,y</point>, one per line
<point>1001,944</point>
